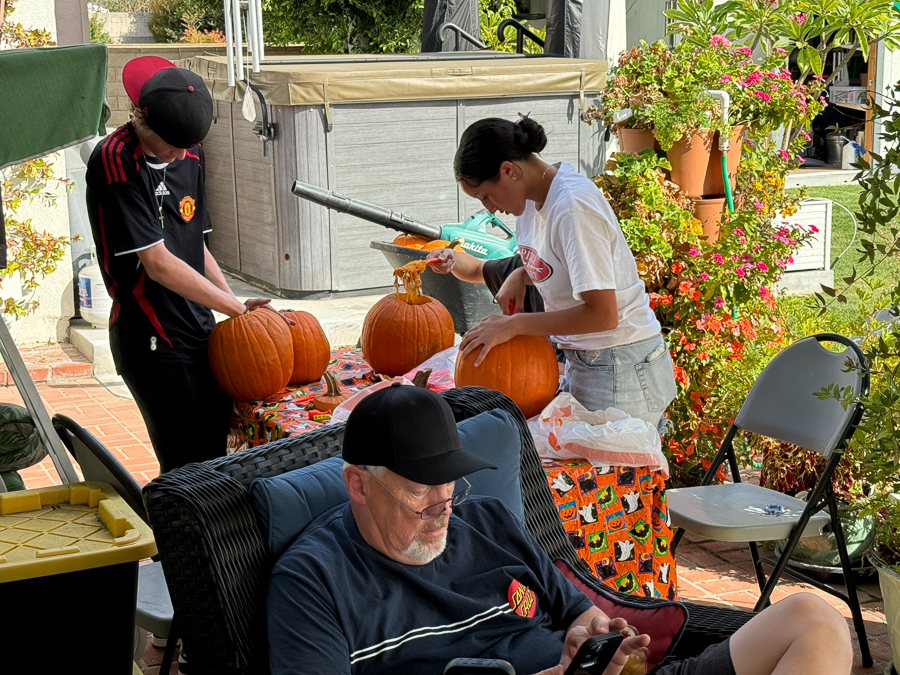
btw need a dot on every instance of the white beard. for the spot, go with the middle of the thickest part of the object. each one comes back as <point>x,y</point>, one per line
<point>423,552</point>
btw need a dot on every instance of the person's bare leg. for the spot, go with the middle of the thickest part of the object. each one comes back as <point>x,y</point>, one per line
<point>798,635</point>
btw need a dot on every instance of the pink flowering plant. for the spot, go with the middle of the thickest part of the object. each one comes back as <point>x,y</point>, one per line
<point>810,29</point>
<point>714,300</point>
<point>668,90</point>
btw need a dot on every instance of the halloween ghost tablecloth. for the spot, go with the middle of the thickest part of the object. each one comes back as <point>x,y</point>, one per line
<point>617,519</point>
<point>283,414</point>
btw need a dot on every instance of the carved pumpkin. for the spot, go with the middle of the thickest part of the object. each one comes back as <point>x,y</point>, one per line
<point>311,349</point>
<point>403,330</point>
<point>525,369</point>
<point>410,241</point>
<point>332,396</point>
<point>251,355</point>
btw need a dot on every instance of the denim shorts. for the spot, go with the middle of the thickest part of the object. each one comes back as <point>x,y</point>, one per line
<point>637,378</point>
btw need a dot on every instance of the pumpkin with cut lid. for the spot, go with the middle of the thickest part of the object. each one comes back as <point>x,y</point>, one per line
<point>405,329</point>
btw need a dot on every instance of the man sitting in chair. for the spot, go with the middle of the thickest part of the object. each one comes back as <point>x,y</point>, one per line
<point>406,577</point>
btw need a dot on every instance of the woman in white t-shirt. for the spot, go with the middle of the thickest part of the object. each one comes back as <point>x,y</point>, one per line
<point>574,252</point>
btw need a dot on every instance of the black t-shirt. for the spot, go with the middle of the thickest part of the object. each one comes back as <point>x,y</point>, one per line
<point>495,273</point>
<point>338,606</point>
<point>125,189</point>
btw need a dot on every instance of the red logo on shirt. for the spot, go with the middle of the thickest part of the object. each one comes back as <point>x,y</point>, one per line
<point>187,208</point>
<point>522,599</point>
<point>537,269</point>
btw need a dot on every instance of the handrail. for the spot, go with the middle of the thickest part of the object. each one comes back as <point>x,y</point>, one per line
<point>460,33</point>
<point>521,33</point>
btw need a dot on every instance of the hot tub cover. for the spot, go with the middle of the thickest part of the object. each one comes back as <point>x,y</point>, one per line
<point>323,80</point>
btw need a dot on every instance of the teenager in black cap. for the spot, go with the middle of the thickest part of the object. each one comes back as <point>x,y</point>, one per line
<point>147,207</point>
<point>413,572</point>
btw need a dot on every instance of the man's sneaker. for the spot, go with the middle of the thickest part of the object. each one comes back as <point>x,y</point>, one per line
<point>160,642</point>
<point>182,665</point>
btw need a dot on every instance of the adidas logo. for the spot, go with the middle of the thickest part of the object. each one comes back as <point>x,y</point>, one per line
<point>161,190</point>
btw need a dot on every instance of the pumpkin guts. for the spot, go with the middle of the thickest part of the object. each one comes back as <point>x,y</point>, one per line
<point>410,276</point>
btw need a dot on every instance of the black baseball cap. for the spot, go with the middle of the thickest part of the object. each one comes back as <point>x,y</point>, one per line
<point>411,431</point>
<point>175,102</point>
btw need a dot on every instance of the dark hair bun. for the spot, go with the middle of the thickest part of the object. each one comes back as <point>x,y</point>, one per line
<point>530,135</point>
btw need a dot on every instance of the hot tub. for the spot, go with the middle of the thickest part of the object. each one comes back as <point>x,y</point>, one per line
<point>381,128</point>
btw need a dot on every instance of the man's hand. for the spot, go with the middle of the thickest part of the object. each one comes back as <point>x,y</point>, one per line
<point>263,303</point>
<point>599,626</point>
<point>445,257</point>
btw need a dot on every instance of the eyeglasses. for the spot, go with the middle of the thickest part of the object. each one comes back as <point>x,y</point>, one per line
<point>434,510</point>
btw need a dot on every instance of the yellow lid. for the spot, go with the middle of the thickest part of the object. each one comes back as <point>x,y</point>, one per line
<point>67,528</point>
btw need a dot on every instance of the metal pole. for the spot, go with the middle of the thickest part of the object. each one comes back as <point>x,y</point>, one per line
<point>259,29</point>
<point>238,39</point>
<point>13,360</point>
<point>252,34</point>
<point>229,46</point>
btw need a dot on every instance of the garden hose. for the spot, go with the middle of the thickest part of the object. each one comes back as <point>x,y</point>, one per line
<point>727,184</point>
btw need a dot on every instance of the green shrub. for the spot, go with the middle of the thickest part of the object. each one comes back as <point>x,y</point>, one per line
<point>172,17</point>
<point>96,25</point>
<point>345,26</point>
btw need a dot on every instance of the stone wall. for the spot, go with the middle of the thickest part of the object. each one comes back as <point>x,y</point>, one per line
<point>119,55</point>
<point>126,27</point>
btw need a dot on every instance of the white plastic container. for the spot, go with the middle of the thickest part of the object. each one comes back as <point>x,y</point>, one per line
<point>93,300</point>
<point>848,155</point>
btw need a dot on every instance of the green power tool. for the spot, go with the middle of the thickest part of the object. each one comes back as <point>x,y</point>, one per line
<point>476,239</point>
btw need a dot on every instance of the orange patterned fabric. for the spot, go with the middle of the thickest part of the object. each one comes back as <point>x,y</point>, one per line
<point>617,519</point>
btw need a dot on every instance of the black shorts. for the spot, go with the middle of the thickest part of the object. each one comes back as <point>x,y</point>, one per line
<point>715,660</point>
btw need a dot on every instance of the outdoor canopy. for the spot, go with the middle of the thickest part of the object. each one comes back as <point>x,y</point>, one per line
<point>52,98</point>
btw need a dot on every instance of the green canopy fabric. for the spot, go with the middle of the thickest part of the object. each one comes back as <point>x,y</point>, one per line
<point>50,98</point>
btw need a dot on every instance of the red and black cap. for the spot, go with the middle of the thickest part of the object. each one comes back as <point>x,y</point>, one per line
<point>411,431</point>
<point>175,102</point>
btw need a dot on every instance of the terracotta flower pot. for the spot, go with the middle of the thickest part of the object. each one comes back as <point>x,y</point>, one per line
<point>689,158</point>
<point>713,185</point>
<point>635,140</point>
<point>709,213</point>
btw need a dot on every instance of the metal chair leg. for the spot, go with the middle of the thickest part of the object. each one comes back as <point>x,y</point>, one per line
<point>849,581</point>
<point>758,568</point>
<point>679,533</point>
<point>169,653</point>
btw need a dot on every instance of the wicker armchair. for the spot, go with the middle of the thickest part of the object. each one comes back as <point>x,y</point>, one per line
<point>217,565</point>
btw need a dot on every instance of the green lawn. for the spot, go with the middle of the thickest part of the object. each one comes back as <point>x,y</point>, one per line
<point>840,318</point>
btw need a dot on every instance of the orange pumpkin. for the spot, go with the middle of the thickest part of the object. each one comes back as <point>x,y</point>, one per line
<point>410,241</point>
<point>252,355</point>
<point>405,329</point>
<point>436,243</point>
<point>443,243</point>
<point>332,396</point>
<point>525,369</point>
<point>311,349</point>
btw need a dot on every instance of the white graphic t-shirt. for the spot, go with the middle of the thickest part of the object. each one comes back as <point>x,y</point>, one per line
<point>574,244</point>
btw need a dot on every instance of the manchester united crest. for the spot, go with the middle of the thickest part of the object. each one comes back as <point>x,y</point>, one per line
<point>187,207</point>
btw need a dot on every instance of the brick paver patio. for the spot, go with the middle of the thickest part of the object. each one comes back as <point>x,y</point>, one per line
<point>708,571</point>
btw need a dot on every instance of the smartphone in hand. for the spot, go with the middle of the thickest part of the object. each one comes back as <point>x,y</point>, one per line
<point>595,654</point>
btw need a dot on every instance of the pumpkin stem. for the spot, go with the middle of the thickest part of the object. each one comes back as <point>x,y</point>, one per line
<point>332,388</point>
<point>409,275</point>
<point>421,378</point>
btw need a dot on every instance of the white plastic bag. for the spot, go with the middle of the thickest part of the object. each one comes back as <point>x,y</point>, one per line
<point>565,429</point>
<point>342,412</point>
<point>443,368</point>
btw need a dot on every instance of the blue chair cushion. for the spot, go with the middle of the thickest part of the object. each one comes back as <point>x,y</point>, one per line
<point>288,503</point>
